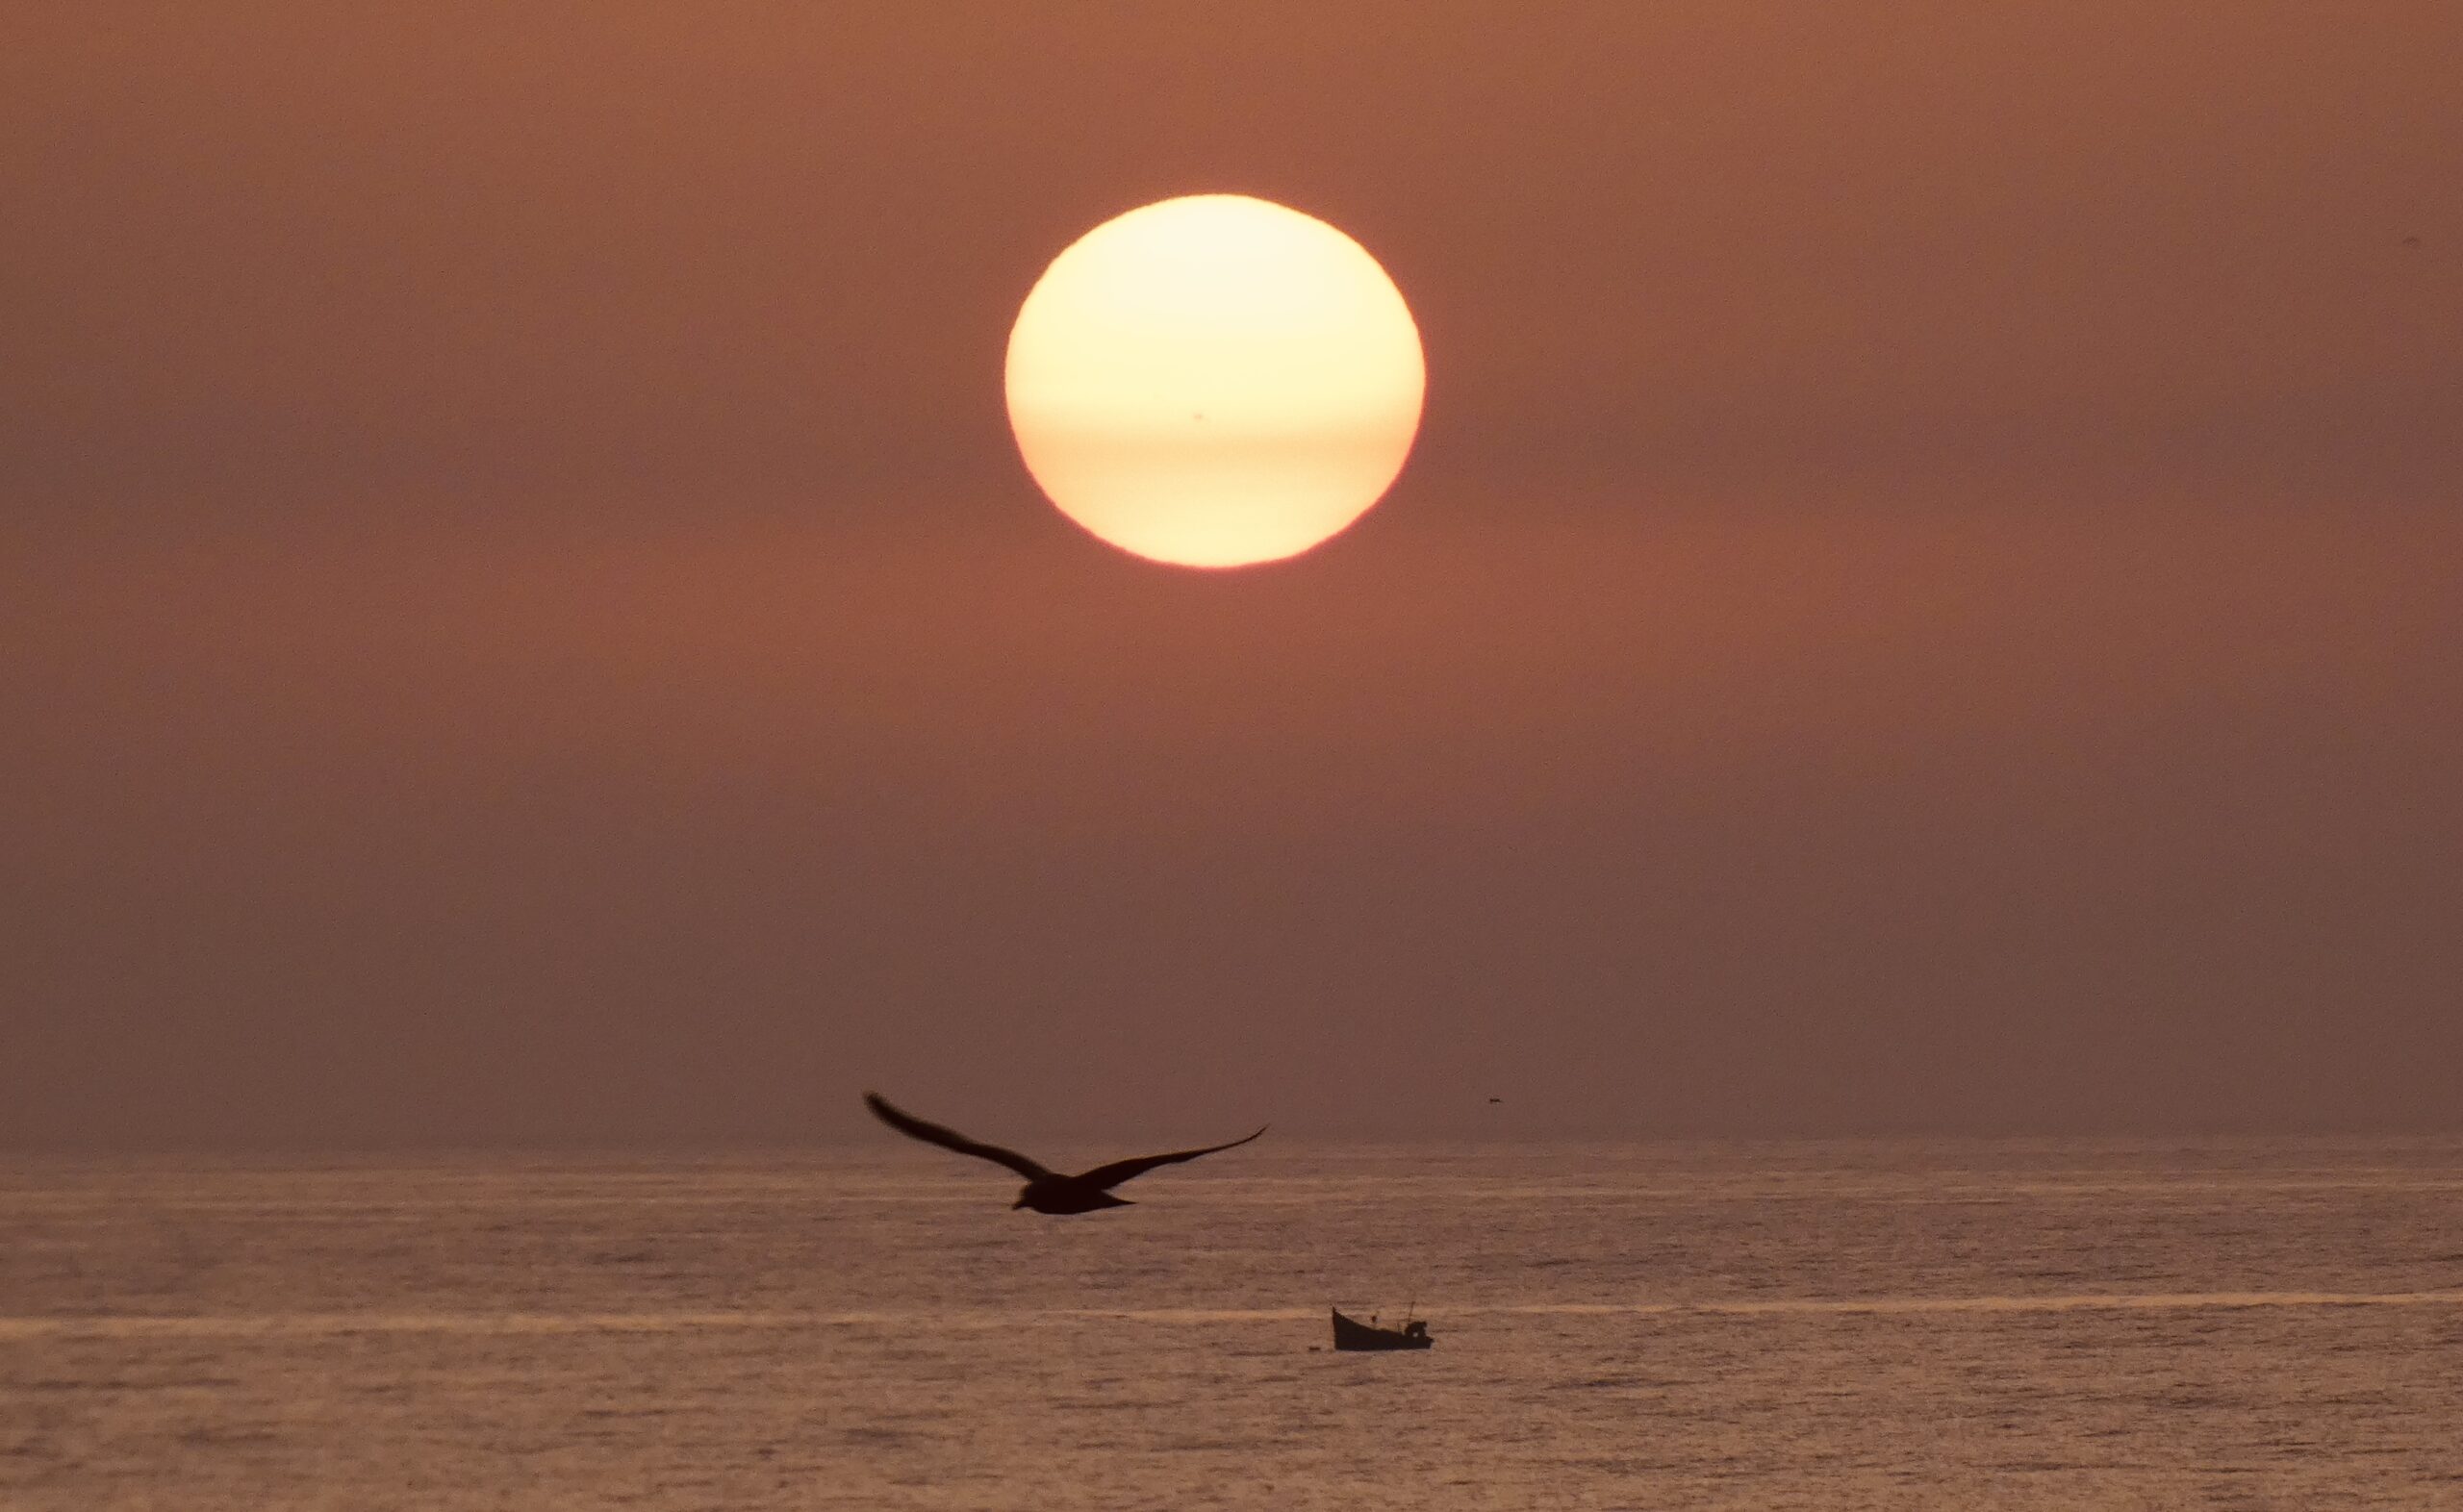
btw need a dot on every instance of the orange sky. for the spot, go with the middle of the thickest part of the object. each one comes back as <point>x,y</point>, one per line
<point>1927,597</point>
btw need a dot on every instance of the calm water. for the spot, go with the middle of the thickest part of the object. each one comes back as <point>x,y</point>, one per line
<point>1838,1326</point>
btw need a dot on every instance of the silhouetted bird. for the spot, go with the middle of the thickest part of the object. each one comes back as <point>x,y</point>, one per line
<point>1045,1191</point>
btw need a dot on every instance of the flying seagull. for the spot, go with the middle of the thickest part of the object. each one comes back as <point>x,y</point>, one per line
<point>1045,1191</point>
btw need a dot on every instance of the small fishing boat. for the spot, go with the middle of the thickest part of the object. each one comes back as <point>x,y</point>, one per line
<point>1350,1333</point>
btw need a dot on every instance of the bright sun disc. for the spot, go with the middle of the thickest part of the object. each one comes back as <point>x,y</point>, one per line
<point>1214,381</point>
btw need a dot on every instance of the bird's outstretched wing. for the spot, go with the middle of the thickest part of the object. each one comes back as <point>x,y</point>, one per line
<point>913,1127</point>
<point>1120,1170</point>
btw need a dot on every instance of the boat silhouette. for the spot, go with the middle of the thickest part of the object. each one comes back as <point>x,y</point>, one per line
<point>1350,1333</point>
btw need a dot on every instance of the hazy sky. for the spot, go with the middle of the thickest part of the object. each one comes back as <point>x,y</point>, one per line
<point>1929,596</point>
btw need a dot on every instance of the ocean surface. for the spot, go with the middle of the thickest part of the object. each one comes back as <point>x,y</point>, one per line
<point>2260,1324</point>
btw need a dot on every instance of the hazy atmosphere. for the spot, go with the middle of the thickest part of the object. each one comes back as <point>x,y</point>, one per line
<point>1928,596</point>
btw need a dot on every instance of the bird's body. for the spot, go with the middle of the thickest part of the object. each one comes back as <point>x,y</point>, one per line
<point>1065,1195</point>
<point>1046,1190</point>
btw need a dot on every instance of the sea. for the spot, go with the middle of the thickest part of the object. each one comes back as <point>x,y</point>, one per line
<point>1838,1325</point>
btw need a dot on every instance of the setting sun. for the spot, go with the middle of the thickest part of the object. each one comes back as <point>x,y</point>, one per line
<point>1214,381</point>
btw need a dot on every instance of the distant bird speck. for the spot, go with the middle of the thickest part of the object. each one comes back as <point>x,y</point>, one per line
<point>1046,1190</point>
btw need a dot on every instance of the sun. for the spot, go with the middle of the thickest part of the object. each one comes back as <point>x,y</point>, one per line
<point>1214,381</point>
